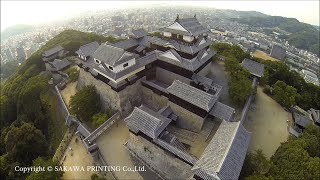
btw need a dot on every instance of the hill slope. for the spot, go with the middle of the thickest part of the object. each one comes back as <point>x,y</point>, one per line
<point>301,35</point>
<point>15,30</point>
<point>69,39</point>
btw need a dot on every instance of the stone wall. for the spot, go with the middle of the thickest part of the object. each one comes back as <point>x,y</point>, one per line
<point>123,100</point>
<point>186,119</point>
<point>205,70</point>
<point>153,100</point>
<point>168,77</point>
<point>166,164</point>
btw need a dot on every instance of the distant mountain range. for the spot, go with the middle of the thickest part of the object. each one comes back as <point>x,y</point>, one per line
<point>228,13</point>
<point>298,34</point>
<point>15,30</point>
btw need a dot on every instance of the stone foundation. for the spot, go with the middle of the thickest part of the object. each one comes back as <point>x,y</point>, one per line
<point>186,119</point>
<point>153,100</point>
<point>168,77</point>
<point>124,100</point>
<point>166,164</point>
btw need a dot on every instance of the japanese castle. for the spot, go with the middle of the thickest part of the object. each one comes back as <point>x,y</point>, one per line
<point>159,81</point>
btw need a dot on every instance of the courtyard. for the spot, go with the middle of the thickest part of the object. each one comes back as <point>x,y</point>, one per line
<point>77,155</point>
<point>111,146</point>
<point>267,121</point>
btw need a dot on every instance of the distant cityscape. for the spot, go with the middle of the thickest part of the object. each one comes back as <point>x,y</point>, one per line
<point>120,23</point>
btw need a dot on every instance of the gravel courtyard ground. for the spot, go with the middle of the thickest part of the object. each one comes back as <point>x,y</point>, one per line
<point>80,157</point>
<point>69,91</point>
<point>112,149</point>
<point>267,121</point>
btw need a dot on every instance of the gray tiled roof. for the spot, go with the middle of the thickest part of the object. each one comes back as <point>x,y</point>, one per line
<point>202,80</point>
<point>139,33</point>
<point>255,68</point>
<point>52,51</point>
<point>144,41</point>
<point>140,48</point>
<point>315,115</point>
<point>59,64</point>
<point>189,64</point>
<point>175,150</point>
<point>192,95</point>
<point>192,25</point>
<point>190,49</point>
<point>88,49</point>
<point>301,120</point>
<point>83,130</point>
<point>140,62</point>
<point>147,121</point>
<point>225,154</point>
<point>222,111</point>
<point>112,55</point>
<point>126,44</point>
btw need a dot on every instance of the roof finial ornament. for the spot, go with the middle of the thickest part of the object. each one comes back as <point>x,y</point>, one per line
<point>177,19</point>
<point>195,15</point>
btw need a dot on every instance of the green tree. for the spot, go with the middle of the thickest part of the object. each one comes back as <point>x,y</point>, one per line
<point>85,103</point>
<point>292,159</point>
<point>259,177</point>
<point>229,50</point>
<point>45,175</point>
<point>73,74</point>
<point>255,163</point>
<point>232,65</point>
<point>8,69</point>
<point>95,176</point>
<point>240,88</point>
<point>25,143</point>
<point>284,94</point>
<point>99,119</point>
<point>7,111</point>
<point>311,135</point>
<point>31,105</point>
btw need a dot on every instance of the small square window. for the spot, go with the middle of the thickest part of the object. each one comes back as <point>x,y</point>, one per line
<point>125,65</point>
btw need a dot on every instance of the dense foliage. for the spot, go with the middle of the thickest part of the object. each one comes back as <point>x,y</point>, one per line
<point>26,116</point>
<point>284,94</point>
<point>302,35</point>
<point>255,164</point>
<point>73,74</point>
<point>85,103</point>
<point>22,143</point>
<point>240,84</point>
<point>298,158</point>
<point>240,87</point>
<point>42,175</point>
<point>95,176</point>
<point>99,119</point>
<point>8,69</point>
<point>228,50</point>
<point>307,95</point>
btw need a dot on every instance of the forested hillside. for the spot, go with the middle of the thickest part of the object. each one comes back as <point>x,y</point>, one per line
<point>302,35</point>
<point>26,108</point>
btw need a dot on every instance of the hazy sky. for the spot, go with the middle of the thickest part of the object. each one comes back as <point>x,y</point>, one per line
<point>32,12</point>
